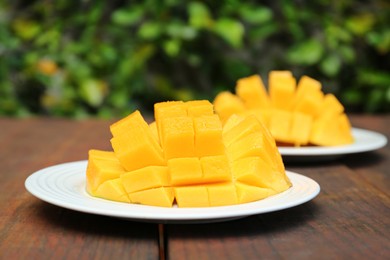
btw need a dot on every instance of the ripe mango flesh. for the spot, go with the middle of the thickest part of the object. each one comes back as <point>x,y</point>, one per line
<point>186,157</point>
<point>297,114</point>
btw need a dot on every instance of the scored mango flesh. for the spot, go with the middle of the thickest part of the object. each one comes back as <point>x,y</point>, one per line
<point>296,113</point>
<point>187,158</point>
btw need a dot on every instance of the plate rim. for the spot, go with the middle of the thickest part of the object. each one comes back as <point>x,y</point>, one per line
<point>177,215</point>
<point>381,141</point>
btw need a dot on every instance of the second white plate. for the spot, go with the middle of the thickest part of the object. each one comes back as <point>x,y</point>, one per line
<point>64,185</point>
<point>365,141</point>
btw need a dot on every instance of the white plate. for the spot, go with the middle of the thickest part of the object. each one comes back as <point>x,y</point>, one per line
<point>64,185</point>
<point>365,141</point>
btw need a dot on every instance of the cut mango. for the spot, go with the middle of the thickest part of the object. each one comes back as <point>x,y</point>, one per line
<point>187,157</point>
<point>185,171</point>
<point>252,91</point>
<point>192,196</point>
<point>102,166</point>
<point>208,136</point>
<point>160,197</point>
<point>112,190</point>
<point>145,178</point>
<point>281,88</point>
<point>135,146</point>
<point>178,137</point>
<point>294,113</point>
<point>248,193</point>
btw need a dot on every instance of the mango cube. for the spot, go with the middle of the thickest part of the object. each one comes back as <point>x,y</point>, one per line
<point>160,197</point>
<point>282,86</point>
<point>185,171</point>
<point>222,194</point>
<point>112,190</point>
<point>191,196</point>
<point>208,136</point>
<point>145,178</point>
<point>301,126</point>
<point>252,91</point>
<point>197,108</point>
<point>135,146</point>
<point>246,168</point>
<point>227,104</point>
<point>248,193</point>
<point>178,137</point>
<point>102,166</point>
<point>215,169</point>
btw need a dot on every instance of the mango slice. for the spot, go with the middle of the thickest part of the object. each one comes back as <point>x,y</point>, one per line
<point>188,158</point>
<point>296,114</point>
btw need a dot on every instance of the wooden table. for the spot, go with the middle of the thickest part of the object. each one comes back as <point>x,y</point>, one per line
<point>349,219</point>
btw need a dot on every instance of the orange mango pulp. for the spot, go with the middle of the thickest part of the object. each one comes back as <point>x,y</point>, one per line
<point>297,114</point>
<point>186,156</point>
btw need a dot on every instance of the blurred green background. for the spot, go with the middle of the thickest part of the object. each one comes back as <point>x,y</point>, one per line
<point>106,58</point>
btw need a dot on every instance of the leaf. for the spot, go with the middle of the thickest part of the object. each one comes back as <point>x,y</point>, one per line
<point>330,66</point>
<point>232,31</point>
<point>256,15</point>
<point>306,53</point>
<point>182,31</point>
<point>150,30</point>
<point>172,47</point>
<point>26,29</point>
<point>199,15</point>
<point>93,91</point>
<point>127,17</point>
<point>361,24</point>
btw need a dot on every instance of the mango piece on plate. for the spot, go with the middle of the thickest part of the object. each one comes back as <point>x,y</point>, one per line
<point>208,136</point>
<point>102,166</point>
<point>112,190</point>
<point>191,196</point>
<point>300,129</point>
<point>168,109</point>
<point>227,104</point>
<point>245,126</point>
<point>135,146</point>
<point>197,108</point>
<point>252,92</point>
<point>256,171</point>
<point>331,130</point>
<point>222,194</point>
<point>215,169</point>
<point>161,197</point>
<point>145,178</point>
<point>306,86</point>
<point>178,137</point>
<point>248,193</point>
<point>280,124</point>
<point>185,171</point>
<point>332,105</point>
<point>282,86</point>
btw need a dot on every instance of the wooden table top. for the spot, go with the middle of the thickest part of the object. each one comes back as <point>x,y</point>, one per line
<point>350,218</point>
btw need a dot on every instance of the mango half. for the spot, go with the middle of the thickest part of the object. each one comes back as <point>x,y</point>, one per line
<point>186,157</point>
<point>296,113</point>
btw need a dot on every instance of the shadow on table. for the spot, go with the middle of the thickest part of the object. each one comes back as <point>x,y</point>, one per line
<point>279,221</point>
<point>58,218</point>
<point>365,159</point>
<point>368,159</point>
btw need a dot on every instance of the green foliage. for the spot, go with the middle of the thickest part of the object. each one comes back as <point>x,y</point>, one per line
<point>106,58</point>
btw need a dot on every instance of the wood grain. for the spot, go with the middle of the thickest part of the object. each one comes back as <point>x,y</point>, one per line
<point>32,229</point>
